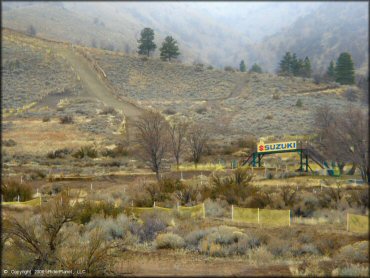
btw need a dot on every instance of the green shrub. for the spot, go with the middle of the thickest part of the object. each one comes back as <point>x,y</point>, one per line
<point>169,241</point>
<point>11,189</point>
<point>299,103</point>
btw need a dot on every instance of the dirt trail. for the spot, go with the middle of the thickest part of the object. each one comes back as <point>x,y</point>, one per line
<point>234,93</point>
<point>96,87</point>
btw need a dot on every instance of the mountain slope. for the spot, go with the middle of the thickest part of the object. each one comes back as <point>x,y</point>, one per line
<point>322,36</point>
<point>219,33</point>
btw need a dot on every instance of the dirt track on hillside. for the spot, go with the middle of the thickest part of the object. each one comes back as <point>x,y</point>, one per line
<point>94,86</point>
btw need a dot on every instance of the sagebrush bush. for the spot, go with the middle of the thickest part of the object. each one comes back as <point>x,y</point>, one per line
<point>169,111</point>
<point>153,223</point>
<point>169,241</point>
<point>46,119</point>
<point>356,253</point>
<point>108,110</point>
<point>11,189</point>
<point>66,119</point>
<point>59,153</point>
<point>352,270</point>
<point>261,255</point>
<point>299,103</point>
<point>304,249</point>
<point>86,151</point>
<point>279,247</point>
<point>193,238</point>
<point>201,110</point>
<point>88,208</point>
<point>219,241</point>
<point>217,208</point>
<point>9,143</point>
<point>113,228</point>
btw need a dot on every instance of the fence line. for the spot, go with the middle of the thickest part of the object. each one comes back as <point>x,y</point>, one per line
<point>355,223</point>
<point>260,216</point>
<point>33,202</point>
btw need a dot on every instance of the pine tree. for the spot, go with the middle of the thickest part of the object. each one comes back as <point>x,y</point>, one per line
<point>242,66</point>
<point>307,70</point>
<point>256,68</point>
<point>169,49</point>
<point>344,70</point>
<point>331,71</point>
<point>295,65</point>
<point>285,65</point>
<point>146,44</point>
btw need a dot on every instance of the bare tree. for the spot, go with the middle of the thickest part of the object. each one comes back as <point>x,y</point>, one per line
<point>152,136</point>
<point>178,130</point>
<point>345,138</point>
<point>288,194</point>
<point>197,138</point>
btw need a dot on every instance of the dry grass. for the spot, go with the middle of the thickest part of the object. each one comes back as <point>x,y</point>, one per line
<point>36,138</point>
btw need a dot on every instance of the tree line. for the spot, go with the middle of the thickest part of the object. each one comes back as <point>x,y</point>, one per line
<point>342,71</point>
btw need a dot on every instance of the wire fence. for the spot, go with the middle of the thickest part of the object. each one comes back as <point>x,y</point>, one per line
<point>261,216</point>
<point>355,223</point>
<point>33,202</point>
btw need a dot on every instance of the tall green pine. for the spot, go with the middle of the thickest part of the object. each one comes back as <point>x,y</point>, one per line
<point>146,42</point>
<point>331,71</point>
<point>242,66</point>
<point>344,69</point>
<point>285,65</point>
<point>169,49</point>
<point>307,70</point>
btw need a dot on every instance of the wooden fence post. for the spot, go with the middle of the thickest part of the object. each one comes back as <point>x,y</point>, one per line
<point>232,212</point>
<point>289,218</point>
<point>204,211</point>
<point>347,222</point>
<point>258,215</point>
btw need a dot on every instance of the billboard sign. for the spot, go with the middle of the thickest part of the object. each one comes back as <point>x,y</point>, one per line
<point>276,147</point>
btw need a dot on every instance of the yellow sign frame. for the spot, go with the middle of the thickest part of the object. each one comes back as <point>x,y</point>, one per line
<point>276,146</point>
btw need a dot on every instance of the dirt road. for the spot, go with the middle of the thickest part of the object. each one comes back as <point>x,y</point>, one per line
<point>94,85</point>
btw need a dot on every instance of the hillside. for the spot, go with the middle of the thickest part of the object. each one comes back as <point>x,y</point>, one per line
<point>233,103</point>
<point>220,34</point>
<point>343,28</point>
